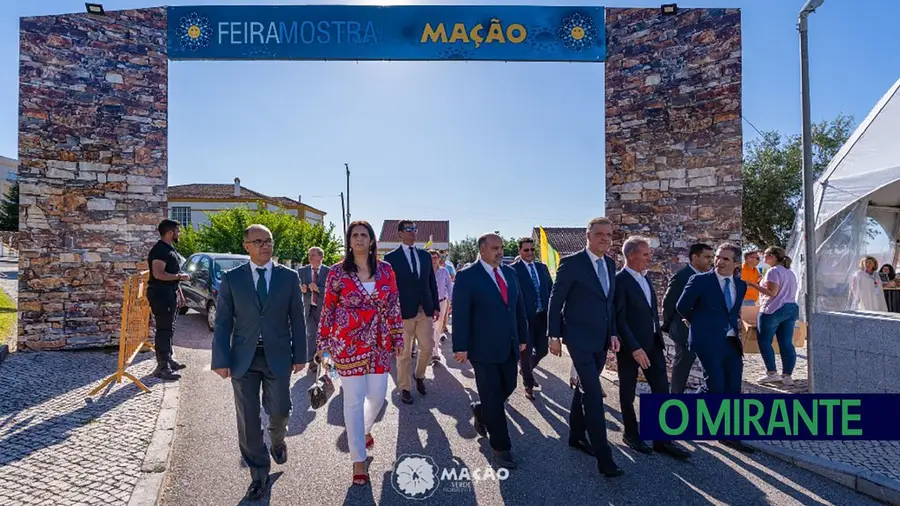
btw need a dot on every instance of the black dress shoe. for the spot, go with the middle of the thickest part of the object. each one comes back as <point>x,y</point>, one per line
<point>671,450</point>
<point>480,428</point>
<point>637,445</point>
<point>279,453</point>
<point>529,393</point>
<point>582,446</point>
<point>166,375</point>
<point>406,397</point>
<point>176,366</point>
<point>420,386</point>
<point>738,445</point>
<point>612,471</point>
<point>504,459</point>
<point>257,489</point>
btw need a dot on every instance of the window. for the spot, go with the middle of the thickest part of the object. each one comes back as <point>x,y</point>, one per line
<point>191,265</point>
<point>203,265</point>
<point>11,176</point>
<point>181,215</point>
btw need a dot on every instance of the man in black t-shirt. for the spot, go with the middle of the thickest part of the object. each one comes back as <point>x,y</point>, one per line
<point>162,293</point>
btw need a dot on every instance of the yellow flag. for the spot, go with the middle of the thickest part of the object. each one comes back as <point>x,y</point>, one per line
<point>428,244</point>
<point>548,254</point>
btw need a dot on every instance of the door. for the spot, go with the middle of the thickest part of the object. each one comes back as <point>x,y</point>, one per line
<point>200,281</point>
<point>187,287</point>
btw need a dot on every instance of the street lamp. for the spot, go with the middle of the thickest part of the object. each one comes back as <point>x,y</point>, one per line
<point>809,218</point>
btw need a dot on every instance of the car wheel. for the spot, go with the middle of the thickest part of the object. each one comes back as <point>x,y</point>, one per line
<point>211,316</point>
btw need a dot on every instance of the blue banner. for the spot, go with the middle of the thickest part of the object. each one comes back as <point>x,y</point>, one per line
<point>350,32</point>
<point>770,417</point>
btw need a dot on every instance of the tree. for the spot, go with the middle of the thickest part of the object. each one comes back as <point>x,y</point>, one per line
<point>511,247</point>
<point>9,209</point>
<point>293,237</point>
<point>773,178</point>
<point>464,251</point>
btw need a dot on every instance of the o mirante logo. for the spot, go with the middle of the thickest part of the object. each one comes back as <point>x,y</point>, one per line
<point>194,31</point>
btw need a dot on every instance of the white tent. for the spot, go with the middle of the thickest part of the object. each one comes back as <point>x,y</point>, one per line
<point>861,182</point>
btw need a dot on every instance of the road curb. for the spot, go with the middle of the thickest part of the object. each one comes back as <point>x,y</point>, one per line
<point>150,485</point>
<point>4,352</point>
<point>865,482</point>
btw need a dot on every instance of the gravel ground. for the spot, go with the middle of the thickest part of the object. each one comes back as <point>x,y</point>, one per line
<point>206,467</point>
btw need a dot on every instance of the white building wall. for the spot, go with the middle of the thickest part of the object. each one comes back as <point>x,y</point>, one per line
<point>199,210</point>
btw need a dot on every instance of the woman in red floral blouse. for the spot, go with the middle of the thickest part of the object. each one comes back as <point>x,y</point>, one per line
<point>361,329</point>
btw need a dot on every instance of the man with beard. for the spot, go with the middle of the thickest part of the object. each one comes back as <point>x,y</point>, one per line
<point>162,293</point>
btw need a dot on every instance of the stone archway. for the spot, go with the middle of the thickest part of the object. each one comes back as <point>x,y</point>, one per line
<point>93,160</point>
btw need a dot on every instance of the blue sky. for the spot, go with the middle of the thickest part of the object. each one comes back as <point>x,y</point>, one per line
<point>489,146</point>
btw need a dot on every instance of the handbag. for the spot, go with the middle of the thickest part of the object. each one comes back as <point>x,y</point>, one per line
<point>322,389</point>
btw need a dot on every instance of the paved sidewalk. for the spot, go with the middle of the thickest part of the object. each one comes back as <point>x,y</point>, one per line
<point>60,448</point>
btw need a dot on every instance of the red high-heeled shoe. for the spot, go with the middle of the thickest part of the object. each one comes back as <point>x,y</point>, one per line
<point>361,479</point>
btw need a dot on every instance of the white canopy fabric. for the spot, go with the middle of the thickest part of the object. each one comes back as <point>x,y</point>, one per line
<point>862,181</point>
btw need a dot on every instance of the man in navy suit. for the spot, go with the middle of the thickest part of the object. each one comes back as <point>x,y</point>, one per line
<point>490,329</point>
<point>637,320</point>
<point>582,315</point>
<point>419,306</point>
<point>534,278</point>
<point>700,260</point>
<point>711,306</point>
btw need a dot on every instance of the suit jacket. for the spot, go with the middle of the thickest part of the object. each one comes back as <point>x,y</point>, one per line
<point>672,323</point>
<point>414,292</point>
<point>636,320</point>
<point>529,294</point>
<point>580,312</point>
<point>483,325</point>
<point>306,278</point>
<point>241,320</point>
<point>703,305</point>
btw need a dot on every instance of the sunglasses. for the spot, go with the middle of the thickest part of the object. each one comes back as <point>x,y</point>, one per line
<point>410,229</point>
<point>527,250</point>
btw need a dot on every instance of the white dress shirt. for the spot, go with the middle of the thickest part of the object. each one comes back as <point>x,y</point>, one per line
<point>490,270</point>
<point>642,282</point>
<point>268,268</point>
<point>694,269</point>
<point>413,258</point>
<point>602,272</point>
<point>731,293</point>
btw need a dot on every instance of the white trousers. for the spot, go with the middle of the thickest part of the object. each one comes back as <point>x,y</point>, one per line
<point>439,329</point>
<point>363,398</point>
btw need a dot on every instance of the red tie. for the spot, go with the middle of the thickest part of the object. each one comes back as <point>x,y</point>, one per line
<point>502,284</point>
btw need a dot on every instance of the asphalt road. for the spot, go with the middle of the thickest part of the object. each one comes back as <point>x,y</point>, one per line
<point>206,467</point>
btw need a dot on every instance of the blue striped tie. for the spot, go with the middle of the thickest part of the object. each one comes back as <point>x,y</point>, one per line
<point>537,286</point>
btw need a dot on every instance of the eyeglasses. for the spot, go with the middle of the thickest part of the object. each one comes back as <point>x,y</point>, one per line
<point>259,243</point>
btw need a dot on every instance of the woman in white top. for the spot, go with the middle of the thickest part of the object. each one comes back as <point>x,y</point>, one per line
<point>866,290</point>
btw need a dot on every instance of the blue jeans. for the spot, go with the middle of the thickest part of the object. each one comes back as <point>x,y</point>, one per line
<point>779,324</point>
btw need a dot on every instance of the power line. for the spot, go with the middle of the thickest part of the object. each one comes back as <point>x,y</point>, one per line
<point>752,125</point>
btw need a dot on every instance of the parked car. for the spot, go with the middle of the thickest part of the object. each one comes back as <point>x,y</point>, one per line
<point>206,271</point>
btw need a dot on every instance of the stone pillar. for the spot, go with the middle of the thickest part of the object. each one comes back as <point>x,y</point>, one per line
<point>673,130</point>
<point>93,176</point>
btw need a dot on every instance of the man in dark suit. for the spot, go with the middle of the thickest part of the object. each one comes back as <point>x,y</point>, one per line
<point>419,307</point>
<point>700,260</point>
<point>312,283</point>
<point>637,320</point>
<point>534,278</point>
<point>582,315</point>
<point>711,307</point>
<point>490,329</point>
<point>259,339</point>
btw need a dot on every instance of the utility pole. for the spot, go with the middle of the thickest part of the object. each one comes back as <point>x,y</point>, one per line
<point>346,166</point>
<point>343,215</point>
<point>809,217</point>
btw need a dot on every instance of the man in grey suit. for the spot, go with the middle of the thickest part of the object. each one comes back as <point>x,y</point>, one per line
<point>312,284</point>
<point>259,339</point>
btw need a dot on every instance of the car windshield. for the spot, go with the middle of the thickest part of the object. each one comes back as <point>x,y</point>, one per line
<point>224,264</point>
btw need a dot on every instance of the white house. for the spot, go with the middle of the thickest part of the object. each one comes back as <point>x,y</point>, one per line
<point>436,231</point>
<point>189,203</point>
<point>9,171</point>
